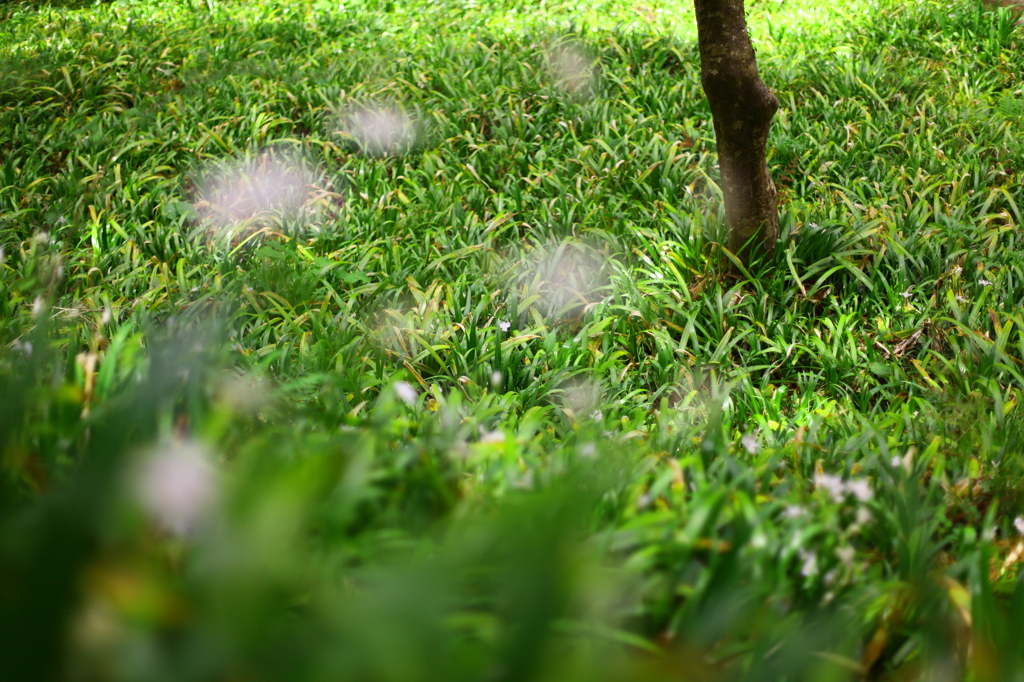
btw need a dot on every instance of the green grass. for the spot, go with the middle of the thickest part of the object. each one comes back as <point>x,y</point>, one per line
<point>486,402</point>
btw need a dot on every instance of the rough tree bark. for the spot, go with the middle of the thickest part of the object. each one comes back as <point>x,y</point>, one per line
<point>742,107</point>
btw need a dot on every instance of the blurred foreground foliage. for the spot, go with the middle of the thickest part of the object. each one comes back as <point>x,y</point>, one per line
<point>366,344</point>
<point>197,524</point>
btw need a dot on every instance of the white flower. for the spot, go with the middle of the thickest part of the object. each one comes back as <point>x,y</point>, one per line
<point>833,485</point>
<point>907,294</point>
<point>1018,523</point>
<point>588,450</point>
<point>810,563</point>
<point>895,461</point>
<point>381,129</point>
<point>37,306</point>
<point>961,298</point>
<point>984,282</point>
<point>406,393</point>
<point>503,325</point>
<point>493,437</point>
<point>749,442</point>
<point>597,415</point>
<point>863,516</point>
<point>793,511</point>
<point>846,555</point>
<point>177,486</point>
<point>860,488</point>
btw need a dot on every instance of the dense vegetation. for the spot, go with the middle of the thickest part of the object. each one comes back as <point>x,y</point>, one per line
<point>395,341</point>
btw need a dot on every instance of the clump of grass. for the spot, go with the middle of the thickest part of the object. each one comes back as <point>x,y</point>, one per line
<point>443,306</point>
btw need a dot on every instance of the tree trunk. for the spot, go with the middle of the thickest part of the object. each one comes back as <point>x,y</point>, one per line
<point>742,107</point>
<point>1016,8</point>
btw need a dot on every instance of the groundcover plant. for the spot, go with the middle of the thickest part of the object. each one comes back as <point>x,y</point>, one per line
<point>397,341</point>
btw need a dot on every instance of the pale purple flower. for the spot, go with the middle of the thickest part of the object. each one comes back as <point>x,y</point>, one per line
<point>809,566</point>
<point>860,488</point>
<point>177,486</point>
<point>504,326</point>
<point>1018,523</point>
<point>793,511</point>
<point>381,129</point>
<point>838,489</point>
<point>846,555</point>
<point>749,443</point>
<point>493,437</point>
<point>572,69</point>
<point>406,393</point>
<point>833,485</point>
<point>984,282</point>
